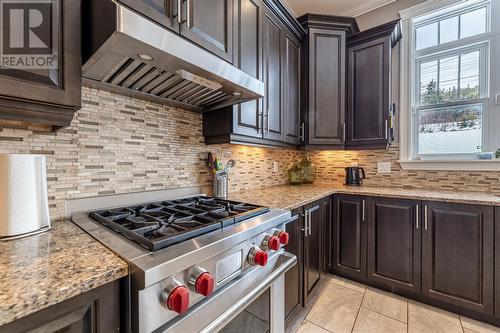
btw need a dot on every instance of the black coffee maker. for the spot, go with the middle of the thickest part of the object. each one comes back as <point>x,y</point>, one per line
<point>354,176</point>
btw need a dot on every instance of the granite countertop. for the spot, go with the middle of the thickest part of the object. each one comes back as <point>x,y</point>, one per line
<point>42,270</point>
<point>294,196</point>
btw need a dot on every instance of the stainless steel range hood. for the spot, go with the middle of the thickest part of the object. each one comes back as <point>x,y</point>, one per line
<point>129,54</point>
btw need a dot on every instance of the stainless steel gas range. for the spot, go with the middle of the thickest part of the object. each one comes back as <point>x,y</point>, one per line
<point>197,264</point>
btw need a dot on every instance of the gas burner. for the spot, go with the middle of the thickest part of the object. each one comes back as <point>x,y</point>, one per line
<point>161,224</point>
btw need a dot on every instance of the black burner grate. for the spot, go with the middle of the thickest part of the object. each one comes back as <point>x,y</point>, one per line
<point>161,224</point>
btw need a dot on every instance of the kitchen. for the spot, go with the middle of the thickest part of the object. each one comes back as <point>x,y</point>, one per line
<point>250,166</point>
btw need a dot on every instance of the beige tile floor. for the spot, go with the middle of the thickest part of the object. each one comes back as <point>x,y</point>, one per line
<point>350,307</point>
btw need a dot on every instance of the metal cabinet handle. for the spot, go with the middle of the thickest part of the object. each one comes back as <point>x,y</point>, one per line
<point>343,133</point>
<point>416,216</point>
<point>302,132</point>
<point>306,224</point>
<point>179,11</point>
<point>425,217</point>
<point>386,129</point>
<point>309,220</point>
<point>188,13</point>
<point>364,203</point>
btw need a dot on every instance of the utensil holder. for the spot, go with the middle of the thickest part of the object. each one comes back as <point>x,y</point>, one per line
<point>221,186</point>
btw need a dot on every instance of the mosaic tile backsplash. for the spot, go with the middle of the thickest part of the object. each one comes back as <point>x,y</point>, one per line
<point>117,144</point>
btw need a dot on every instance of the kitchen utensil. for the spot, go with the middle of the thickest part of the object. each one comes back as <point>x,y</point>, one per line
<point>354,176</point>
<point>230,164</point>
<point>210,162</point>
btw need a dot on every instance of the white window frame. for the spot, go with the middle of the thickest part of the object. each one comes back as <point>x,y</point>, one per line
<point>410,90</point>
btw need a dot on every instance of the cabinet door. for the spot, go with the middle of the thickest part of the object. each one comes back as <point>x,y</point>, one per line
<point>369,93</point>
<point>49,94</point>
<point>96,311</point>
<point>312,248</point>
<point>326,119</point>
<point>248,116</point>
<point>394,232</point>
<point>326,211</point>
<point>293,278</point>
<point>163,12</point>
<point>209,23</point>
<point>497,262</point>
<point>349,249</point>
<point>273,80</point>
<point>457,255</point>
<point>292,90</point>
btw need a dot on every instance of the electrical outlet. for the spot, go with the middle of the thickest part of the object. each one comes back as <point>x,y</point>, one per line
<point>384,167</point>
<point>275,166</point>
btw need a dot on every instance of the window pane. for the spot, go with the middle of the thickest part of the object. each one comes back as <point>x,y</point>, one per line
<point>427,36</point>
<point>450,130</point>
<point>448,30</point>
<point>469,75</point>
<point>473,23</point>
<point>428,83</point>
<point>448,79</point>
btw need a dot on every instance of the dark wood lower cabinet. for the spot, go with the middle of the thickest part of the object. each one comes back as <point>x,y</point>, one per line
<point>497,262</point>
<point>394,232</point>
<point>293,278</point>
<point>312,247</point>
<point>349,249</point>
<point>96,311</point>
<point>444,254</point>
<point>457,255</point>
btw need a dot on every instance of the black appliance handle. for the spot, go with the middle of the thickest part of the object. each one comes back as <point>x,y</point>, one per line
<point>363,172</point>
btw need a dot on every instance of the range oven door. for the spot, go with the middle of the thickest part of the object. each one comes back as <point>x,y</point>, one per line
<point>254,302</point>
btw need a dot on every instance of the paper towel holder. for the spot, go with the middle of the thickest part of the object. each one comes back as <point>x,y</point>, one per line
<point>24,209</point>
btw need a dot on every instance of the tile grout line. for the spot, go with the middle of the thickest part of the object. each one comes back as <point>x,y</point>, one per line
<point>357,314</point>
<point>407,317</point>
<point>386,316</point>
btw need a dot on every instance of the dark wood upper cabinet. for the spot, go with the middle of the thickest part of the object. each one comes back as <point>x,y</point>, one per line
<point>323,79</point>
<point>394,231</point>
<point>210,24</point>
<point>325,116</point>
<point>48,96</point>
<point>291,112</point>
<point>349,230</point>
<point>163,12</point>
<point>248,116</point>
<point>369,86</point>
<point>457,255</point>
<point>273,77</point>
<point>267,46</point>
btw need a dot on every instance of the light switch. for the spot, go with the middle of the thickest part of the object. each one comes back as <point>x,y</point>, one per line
<point>384,167</point>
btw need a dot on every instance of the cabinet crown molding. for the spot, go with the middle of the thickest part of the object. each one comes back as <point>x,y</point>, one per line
<point>347,24</point>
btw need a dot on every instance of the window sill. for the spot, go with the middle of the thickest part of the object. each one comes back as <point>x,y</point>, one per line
<point>451,165</point>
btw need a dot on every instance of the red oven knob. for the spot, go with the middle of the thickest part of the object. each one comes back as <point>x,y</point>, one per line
<point>178,300</point>
<point>261,258</point>
<point>257,257</point>
<point>204,284</point>
<point>283,236</point>
<point>271,243</point>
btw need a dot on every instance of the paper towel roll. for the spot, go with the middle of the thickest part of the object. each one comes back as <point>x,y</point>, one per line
<point>23,194</point>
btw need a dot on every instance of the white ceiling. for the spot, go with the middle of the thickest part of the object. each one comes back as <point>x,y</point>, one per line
<point>336,7</point>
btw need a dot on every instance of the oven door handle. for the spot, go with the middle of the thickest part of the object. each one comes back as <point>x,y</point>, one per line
<point>288,261</point>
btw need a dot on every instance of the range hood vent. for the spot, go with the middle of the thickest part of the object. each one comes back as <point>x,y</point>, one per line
<point>139,58</point>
